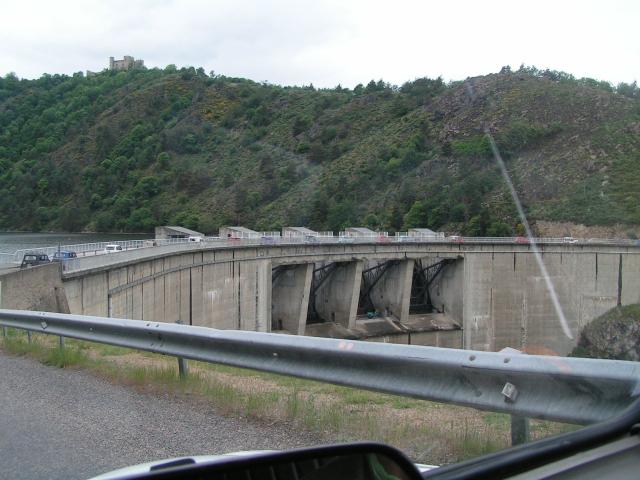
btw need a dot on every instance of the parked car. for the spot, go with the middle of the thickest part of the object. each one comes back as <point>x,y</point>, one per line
<point>33,259</point>
<point>346,239</point>
<point>113,248</point>
<point>266,240</point>
<point>569,240</point>
<point>456,239</point>
<point>63,255</point>
<point>196,239</point>
<point>310,239</point>
<point>522,239</point>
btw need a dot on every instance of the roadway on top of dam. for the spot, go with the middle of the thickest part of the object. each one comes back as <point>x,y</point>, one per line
<point>291,252</point>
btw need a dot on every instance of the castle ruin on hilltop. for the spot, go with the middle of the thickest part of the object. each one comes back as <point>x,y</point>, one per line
<point>127,63</point>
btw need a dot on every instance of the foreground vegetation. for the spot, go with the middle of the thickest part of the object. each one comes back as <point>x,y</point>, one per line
<point>429,432</point>
<point>125,151</point>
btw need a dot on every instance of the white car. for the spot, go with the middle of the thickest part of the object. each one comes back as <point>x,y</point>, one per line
<point>569,240</point>
<point>112,248</point>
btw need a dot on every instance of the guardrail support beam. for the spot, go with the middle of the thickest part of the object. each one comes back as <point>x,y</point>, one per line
<point>183,366</point>
<point>519,430</point>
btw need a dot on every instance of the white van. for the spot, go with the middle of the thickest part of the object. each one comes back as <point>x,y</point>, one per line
<point>112,248</point>
<point>195,239</point>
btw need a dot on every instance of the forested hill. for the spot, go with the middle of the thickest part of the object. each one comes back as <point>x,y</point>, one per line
<point>127,151</point>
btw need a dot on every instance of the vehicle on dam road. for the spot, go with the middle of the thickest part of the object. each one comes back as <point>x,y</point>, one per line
<point>31,259</point>
<point>112,248</point>
<point>63,255</point>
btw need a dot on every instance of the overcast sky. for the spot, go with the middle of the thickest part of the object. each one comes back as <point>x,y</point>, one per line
<point>325,42</point>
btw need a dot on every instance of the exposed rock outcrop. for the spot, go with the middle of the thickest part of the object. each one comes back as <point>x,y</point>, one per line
<point>614,335</point>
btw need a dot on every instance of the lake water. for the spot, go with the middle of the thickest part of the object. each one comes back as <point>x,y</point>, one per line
<point>10,242</point>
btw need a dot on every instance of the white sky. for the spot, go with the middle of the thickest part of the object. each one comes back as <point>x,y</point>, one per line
<point>325,42</point>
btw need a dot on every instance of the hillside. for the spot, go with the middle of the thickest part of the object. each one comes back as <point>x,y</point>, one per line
<point>130,150</point>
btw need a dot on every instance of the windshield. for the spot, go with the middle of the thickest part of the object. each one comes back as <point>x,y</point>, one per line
<point>422,184</point>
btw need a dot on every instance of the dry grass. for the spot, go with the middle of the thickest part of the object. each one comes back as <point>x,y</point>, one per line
<point>428,432</point>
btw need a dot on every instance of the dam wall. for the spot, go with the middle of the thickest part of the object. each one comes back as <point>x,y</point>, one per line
<point>503,300</point>
<point>484,296</point>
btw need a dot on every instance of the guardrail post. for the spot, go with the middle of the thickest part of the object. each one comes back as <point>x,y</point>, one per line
<point>61,342</point>
<point>28,336</point>
<point>183,366</point>
<point>519,430</point>
<point>4,331</point>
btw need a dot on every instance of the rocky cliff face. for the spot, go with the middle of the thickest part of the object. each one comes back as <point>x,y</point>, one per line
<point>614,335</point>
<point>578,230</point>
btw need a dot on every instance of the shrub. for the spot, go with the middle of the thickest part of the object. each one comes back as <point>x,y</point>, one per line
<point>477,146</point>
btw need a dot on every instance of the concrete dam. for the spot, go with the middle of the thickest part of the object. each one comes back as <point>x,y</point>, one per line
<point>475,295</point>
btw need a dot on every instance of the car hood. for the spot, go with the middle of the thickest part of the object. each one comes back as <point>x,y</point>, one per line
<point>146,467</point>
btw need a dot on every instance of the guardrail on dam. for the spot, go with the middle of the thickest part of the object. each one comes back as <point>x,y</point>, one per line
<point>477,295</point>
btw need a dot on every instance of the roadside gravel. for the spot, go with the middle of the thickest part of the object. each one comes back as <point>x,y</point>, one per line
<point>64,423</point>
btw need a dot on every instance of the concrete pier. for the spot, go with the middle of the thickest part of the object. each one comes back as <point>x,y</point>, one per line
<point>392,293</point>
<point>337,298</point>
<point>290,298</point>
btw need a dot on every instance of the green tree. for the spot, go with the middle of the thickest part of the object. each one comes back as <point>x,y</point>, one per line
<point>163,160</point>
<point>141,220</point>
<point>104,222</point>
<point>498,228</point>
<point>473,228</point>
<point>341,215</point>
<point>372,221</point>
<point>417,216</point>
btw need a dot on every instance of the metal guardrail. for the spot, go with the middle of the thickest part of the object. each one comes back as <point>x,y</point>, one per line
<point>6,258</point>
<point>573,390</point>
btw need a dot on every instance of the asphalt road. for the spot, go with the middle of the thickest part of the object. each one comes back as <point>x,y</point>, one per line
<point>60,423</point>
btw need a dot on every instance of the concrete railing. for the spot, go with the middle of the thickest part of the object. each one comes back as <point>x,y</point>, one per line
<point>7,258</point>
<point>573,390</point>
